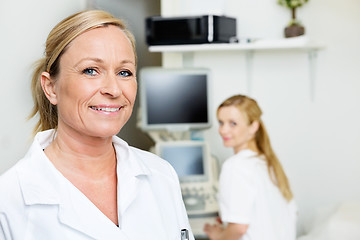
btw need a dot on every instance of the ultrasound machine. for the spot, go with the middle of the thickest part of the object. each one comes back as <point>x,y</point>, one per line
<point>174,104</point>
<point>197,171</point>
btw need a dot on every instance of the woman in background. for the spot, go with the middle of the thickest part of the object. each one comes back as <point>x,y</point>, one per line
<point>255,199</point>
<point>79,180</point>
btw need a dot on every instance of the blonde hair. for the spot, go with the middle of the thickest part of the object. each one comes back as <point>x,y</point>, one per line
<point>56,44</point>
<point>252,111</point>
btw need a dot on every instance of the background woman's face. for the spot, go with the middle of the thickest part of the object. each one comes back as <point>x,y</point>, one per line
<point>96,86</point>
<point>234,128</point>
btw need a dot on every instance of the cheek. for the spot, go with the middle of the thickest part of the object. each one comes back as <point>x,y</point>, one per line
<point>129,90</point>
<point>239,133</point>
<point>77,90</point>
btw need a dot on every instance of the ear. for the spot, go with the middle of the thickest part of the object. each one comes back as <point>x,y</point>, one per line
<point>48,86</point>
<point>254,127</point>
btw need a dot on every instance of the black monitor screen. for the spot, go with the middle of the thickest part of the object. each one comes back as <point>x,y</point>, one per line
<point>173,98</point>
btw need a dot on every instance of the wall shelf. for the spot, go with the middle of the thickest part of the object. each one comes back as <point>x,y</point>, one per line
<point>301,43</point>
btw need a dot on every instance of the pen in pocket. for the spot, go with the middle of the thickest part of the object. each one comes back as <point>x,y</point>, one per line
<point>184,234</point>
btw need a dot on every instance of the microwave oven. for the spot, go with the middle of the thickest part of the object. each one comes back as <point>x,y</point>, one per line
<point>190,30</point>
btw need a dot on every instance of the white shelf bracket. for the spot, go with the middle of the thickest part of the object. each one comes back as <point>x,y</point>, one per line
<point>188,59</point>
<point>312,54</point>
<point>249,56</point>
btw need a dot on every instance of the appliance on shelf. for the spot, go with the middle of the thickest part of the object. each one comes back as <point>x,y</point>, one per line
<point>190,30</point>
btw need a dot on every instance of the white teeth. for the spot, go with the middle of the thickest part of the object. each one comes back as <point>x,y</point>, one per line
<point>106,109</point>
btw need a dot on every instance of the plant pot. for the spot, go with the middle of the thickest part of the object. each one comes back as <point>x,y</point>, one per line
<point>294,30</point>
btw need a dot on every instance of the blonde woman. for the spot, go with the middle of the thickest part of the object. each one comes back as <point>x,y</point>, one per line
<point>255,199</point>
<point>79,180</point>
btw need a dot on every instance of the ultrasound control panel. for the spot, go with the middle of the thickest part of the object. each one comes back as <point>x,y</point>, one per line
<point>200,198</point>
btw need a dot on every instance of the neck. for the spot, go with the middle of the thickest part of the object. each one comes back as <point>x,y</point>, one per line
<point>250,145</point>
<point>76,154</point>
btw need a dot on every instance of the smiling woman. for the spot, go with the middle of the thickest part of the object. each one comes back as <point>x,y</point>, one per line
<point>255,198</point>
<point>97,74</point>
<point>78,180</point>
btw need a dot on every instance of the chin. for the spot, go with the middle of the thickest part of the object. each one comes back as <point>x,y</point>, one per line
<point>112,132</point>
<point>227,144</point>
<point>106,128</point>
<point>105,132</point>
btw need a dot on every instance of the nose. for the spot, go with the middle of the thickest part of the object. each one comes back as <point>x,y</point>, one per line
<point>111,87</point>
<point>223,129</point>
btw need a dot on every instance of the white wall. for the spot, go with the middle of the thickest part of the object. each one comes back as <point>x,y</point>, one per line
<point>316,140</point>
<point>24,27</point>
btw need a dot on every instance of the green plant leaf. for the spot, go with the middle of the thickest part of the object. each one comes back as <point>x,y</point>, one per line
<point>292,3</point>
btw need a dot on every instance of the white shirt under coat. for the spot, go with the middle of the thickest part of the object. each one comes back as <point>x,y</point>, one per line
<point>38,202</point>
<point>248,196</point>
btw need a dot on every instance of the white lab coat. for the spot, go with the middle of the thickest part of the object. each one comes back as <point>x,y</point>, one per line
<point>247,195</point>
<point>37,202</point>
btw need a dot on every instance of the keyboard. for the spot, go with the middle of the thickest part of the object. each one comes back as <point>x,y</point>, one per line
<point>200,198</point>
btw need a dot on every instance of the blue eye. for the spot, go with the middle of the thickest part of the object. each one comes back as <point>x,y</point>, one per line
<point>125,73</point>
<point>90,71</point>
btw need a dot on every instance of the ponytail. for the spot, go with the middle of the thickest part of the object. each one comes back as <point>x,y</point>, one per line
<point>276,171</point>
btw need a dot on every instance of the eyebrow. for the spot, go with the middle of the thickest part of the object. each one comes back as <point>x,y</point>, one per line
<point>99,60</point>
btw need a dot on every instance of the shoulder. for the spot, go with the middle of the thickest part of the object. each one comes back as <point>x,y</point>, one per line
<point>242,166</point>
<point>10,191</point>
<point>7,179</point>
<point>241,162</point>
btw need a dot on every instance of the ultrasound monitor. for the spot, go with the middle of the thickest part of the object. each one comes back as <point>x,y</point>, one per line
<point>190,159</point>
<point>175,99</point>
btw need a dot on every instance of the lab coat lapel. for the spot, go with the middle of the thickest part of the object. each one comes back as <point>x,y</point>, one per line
<point>36,178</point>
<point>166,205</point>
<point>125,198</point>
<point>50,187</point>
<point>134,175</point>
<point>87,218</point>
<point>130,172</point>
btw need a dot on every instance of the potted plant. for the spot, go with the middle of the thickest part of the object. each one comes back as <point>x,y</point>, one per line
<point>294,28</point>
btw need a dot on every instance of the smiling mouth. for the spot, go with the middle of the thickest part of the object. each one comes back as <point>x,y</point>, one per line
<point>105,109</point>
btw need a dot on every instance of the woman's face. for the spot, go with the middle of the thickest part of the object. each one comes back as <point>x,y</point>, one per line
<point>96,86</point>
<point>234,128</point>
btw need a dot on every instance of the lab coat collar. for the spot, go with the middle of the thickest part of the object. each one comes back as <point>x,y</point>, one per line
<point>39,187</point>
<point>42,188</point>
<point>42,183</point>
<point>246,153</point>
<point>127,161</point>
